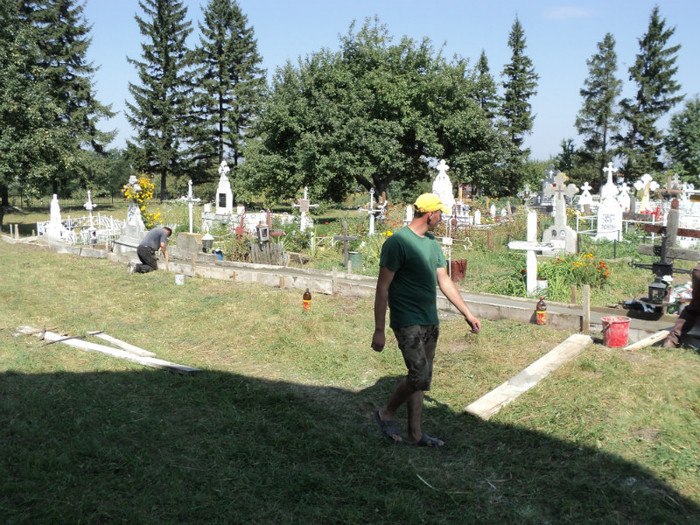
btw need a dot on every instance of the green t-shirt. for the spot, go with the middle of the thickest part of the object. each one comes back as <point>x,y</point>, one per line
<point>413,291</point>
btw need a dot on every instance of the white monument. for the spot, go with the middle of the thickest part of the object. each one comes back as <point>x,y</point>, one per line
<point>55,228</point>
<point>586,199</point>
<point>442,186</point>
<point>624,197</point>
<point>133,230</point>
<point>609,210</point>
<point>561,236</point>
<point>224,195</point>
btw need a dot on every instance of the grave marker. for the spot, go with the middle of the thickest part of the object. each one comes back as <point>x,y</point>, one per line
<point>560,235</point>
<point>304,207</point>
<point>346,239</point>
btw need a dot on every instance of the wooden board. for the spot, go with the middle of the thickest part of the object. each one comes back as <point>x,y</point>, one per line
<point>648,341</point>
<point>491,403</point>
<point>113,352</point>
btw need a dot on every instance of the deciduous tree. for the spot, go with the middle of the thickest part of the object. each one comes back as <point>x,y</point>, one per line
<point>372,113</point>
<point>683,140</point>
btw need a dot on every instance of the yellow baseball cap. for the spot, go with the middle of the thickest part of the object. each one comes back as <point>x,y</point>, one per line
<point>430,202</point>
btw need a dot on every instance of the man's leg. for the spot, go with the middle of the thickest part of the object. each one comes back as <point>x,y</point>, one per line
<point>148,260</point>
<point>417,344</point>
<point>689,315</point>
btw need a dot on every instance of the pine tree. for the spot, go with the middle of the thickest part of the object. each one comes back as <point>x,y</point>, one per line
<point>62,38</point>
<point>230,83</point>
<point>597,120</point>
<point>28,135</point>
<point>520,85</point>
<point>486,89</point>
<point>162,101</point>
<point>653,72</point>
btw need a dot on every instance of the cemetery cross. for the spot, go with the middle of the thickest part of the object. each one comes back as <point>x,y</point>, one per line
<point>346,239</point>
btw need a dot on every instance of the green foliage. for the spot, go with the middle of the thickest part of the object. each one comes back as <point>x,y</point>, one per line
<point>597,120</point>
<point>520,85</point>
<point>683,140</point>
<point>653,72</point>
<point>368,115</point>
<point>560,273</point>
<point>162,101</point>
<point>229,85</point>
<point>48,109</point>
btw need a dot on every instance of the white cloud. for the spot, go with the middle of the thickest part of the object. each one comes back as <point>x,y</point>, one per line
<point>567,12</point>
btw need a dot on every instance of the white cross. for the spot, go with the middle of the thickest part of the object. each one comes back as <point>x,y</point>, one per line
<point>610,170</point>
<point>371,211</point>
<point>559,190</point>
<point>190,200</point>
<point>304,206</point>
<point>89,206</point>
<point>531,246</point>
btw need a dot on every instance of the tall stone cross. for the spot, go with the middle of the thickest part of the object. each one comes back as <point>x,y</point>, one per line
<point>559,190</point>
<point>346,239</point>
<point>304,207</point>
<point>190,200</point>
<point>564,236</point>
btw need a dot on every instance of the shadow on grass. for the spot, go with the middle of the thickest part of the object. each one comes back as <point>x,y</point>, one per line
<point>151,447</point>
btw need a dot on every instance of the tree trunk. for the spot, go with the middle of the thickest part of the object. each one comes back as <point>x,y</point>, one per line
<point>4,201</point>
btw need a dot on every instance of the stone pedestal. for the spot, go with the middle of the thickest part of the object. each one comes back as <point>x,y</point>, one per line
<point>187,244</point>
<point>131,236</point>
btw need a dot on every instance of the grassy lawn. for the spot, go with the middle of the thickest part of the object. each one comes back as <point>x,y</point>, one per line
<point>278,428</point>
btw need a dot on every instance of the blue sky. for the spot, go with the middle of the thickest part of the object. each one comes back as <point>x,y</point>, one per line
<point>560,37</point>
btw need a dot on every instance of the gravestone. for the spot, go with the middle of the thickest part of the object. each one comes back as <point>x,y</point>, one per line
<point>56,229</point>
<point>133,230</point>
<point>585,201</point>
<point>224,195</point>
<point>409,214</point>
<point>304,207</point>
<point>561,236</point>
<point>346,239</point>
<point>609,211</point>
<point>372,211</point>
<point>623,197</point>
<point>477,218</point>
<point>442,186</point>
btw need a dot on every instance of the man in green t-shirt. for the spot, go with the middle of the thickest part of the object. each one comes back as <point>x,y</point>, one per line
<point>411,266</point>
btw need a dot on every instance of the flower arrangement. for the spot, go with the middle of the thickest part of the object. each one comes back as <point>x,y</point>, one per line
<point>141,194</point>
<point>575,269</point>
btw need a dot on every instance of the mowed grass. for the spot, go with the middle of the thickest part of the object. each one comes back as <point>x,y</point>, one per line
<point>279,428</point>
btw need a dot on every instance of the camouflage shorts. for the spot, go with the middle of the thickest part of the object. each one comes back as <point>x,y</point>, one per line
<point>417,344</point>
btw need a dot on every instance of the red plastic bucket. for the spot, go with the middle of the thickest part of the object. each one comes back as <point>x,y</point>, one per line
<point>615,331</point>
